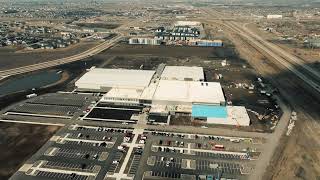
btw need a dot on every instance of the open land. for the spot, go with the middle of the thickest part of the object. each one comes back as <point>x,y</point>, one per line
<point>298,159</point>
<point>17,144</point>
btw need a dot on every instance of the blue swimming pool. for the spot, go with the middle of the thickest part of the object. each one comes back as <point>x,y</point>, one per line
<point>209,111</point>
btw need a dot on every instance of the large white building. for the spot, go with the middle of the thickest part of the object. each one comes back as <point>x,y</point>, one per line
<point>274,16</point>
<point>188,23</point>
<point>99,79</point>
<point>176,89</point>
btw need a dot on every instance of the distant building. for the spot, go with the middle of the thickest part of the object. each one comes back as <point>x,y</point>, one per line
<point>178,33</point>
<point>313,43</point>
<point>206,43</point>
<point>188,23</point>
<point>274,16</point>
<point>182,30</point>
<point>145,41</point>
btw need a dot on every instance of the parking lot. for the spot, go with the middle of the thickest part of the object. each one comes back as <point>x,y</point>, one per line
<point>53,105</point>
<point>91,152</point>
<point>68,166</point>
<point>45,109</point>
<point>62,99</point>
<point>177,156</point>
<point>53,175</point>
<point>117,159</point>
<point>166,174</point>
<point>134,164</point>
<point>77,156</point>
<point>223,156</point>
<point>218,167</point>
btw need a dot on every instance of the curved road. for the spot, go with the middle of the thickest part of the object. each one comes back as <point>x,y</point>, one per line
<point>43,65</point>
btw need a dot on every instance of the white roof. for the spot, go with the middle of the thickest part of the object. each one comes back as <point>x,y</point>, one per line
<point>189,91</point>
<point>182,73</point>
<point>124,93</point>
<point>119,78</point>
<point>187,23</point>
<point>237,116</point>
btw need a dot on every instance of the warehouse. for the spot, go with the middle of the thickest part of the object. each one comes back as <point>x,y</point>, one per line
<point>173,90</point>
<point>274,16</point>
<point>102,80</point>
<point>188,23</point>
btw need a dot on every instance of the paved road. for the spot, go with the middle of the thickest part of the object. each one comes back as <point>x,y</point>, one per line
<point>83,55</point>
<point>272,143</point>
<point>91,52</point>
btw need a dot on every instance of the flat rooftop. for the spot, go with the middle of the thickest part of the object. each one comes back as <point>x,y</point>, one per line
<point>187,23</point>
<point>98,78</point>
<point>183,73</point>
<point>189,91</point>
<point>124,93</point>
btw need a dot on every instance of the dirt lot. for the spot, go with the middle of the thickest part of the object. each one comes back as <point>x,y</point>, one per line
<point>18,143</point>
<point>307,54</point>
<point>297,156</point>
<point>171,51</point>
<point>294,161</point>
<point>11,59</point>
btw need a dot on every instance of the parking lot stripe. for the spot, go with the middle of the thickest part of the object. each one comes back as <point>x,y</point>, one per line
<point>31,122</point>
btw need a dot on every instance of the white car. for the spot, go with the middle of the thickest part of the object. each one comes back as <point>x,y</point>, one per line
<point>168,163</point>
<point>115,162</point>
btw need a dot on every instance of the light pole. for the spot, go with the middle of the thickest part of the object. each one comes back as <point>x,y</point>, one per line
<point>219,173</point>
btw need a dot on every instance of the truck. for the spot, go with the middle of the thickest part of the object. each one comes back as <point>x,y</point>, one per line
<point>31,95</point>
<point>218,147</point>
<point>209,177</point>
<point>235,140</point>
